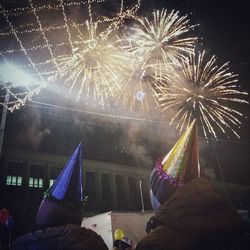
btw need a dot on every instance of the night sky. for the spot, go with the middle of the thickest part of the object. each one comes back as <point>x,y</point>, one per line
<point>224,28</point>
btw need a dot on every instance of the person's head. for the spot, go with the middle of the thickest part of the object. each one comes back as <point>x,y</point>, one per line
<point>119,234</point>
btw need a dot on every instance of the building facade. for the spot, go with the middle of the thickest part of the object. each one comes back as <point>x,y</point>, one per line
<point>25,176</point>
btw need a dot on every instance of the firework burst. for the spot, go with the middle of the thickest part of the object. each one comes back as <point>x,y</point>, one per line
<point>157,46</point>
<point>99,65</point>
<point>162,41</point>
<point>203,91</point>
<point>97,68</point>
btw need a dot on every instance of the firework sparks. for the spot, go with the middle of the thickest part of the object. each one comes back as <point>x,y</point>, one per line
<point>157,45</point>
<point>162,41</point>
<point>134,93</point>
<point>203,91</point>
<point>100,64</point>
<point>97,69</point>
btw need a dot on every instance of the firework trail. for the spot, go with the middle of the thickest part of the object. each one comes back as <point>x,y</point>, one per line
<point>206,92</point>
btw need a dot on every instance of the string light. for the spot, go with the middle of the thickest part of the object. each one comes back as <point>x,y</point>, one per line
<point>67,27</point>
<point>21,45</point>
<point>12,105</point>
<point>43,35</point>
<point>25,10</point>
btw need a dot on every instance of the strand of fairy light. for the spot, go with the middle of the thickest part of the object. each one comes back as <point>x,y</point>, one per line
<point>61,44</point>
<point>120,17</point>
<point>90,12</point>
<point>117,21</point>
<point>12,105</point>
<point>121,8</point>
<point>45,29</point>
<point>21,45</point>
<point>67,27</point>
<point>24,10</point>
<point>44,36</point>
<point>34,48</point>
<point>2,53</point>
<point>59,27</point>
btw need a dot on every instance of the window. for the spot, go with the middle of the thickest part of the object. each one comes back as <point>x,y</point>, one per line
<point>51,182</point>
<point>14,180</point>
<point>35,182</point>
<point>36,176</point>
<point>14,173</point>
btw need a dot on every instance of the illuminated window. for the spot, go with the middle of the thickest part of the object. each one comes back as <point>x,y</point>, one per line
<point>35,182</point>
<point>14,173</point>
<point>51,182</point>
<point>36,176</point>
<point>14,180</point>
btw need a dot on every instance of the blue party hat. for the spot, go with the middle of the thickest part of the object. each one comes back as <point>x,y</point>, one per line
<point>63,201</point>
<point>68,187</point>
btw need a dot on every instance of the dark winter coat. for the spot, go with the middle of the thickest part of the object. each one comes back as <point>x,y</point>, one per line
<point>68,237</point>
<point>195,217</point>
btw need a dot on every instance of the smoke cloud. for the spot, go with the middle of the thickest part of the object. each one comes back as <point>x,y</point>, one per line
<point>32,132</point>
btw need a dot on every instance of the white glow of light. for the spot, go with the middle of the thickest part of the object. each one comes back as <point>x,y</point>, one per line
<point>9,73</point>
<point>140,95</point>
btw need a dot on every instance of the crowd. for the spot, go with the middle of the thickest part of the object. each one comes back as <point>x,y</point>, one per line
<point>195,216</point>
